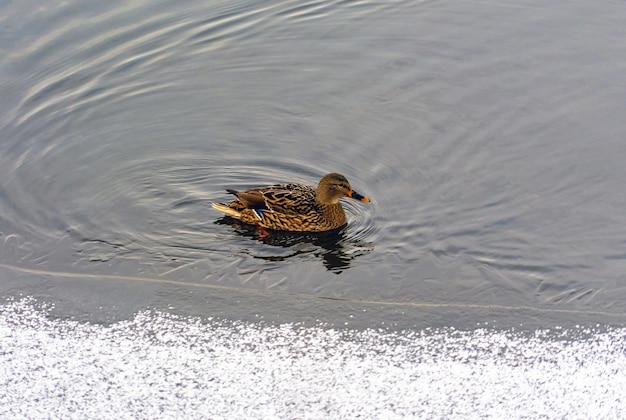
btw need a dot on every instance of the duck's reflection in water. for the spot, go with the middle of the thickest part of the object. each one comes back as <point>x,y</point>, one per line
<point>335,248</point>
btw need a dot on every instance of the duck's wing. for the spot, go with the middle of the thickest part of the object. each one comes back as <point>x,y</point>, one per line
<point>292,199</point>
<point>249,199</point>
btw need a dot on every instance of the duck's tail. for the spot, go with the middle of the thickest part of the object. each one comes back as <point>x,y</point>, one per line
<point>227,210</point>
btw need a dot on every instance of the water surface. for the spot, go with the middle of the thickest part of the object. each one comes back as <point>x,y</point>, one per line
<point>488,136</point>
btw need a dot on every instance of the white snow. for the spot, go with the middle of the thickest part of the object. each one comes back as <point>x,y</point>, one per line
<point>162,366</point>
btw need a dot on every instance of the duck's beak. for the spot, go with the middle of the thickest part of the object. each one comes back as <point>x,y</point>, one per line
<point>357,196</point>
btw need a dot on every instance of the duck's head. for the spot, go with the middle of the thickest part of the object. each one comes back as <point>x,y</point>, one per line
<point>334,186</point>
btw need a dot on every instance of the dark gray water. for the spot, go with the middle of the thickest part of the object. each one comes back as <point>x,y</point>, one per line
<point>489,136</point>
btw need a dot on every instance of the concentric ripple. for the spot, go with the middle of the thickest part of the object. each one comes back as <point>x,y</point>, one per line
<point>140,189</point>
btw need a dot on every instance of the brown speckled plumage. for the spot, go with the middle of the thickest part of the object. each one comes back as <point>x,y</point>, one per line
<point>293,207</point>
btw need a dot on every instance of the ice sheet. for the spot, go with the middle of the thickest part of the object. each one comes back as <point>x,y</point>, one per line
<point>163,366</point>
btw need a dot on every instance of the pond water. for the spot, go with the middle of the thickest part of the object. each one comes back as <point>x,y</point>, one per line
<point>489,137</point>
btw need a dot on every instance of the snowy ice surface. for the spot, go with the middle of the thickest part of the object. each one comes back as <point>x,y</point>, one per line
<point>162,366</point>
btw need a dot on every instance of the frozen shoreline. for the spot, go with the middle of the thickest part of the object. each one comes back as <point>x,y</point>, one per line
<point>162,366</point>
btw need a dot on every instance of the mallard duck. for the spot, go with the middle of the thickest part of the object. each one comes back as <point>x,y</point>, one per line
<point>293,207</point>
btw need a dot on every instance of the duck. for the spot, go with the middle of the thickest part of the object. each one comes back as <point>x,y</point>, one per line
<point>293,207</point>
